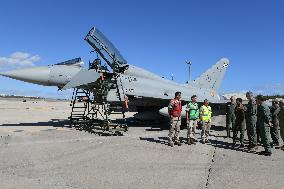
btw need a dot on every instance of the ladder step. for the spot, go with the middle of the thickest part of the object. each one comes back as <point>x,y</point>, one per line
<point>80,92</point>
<point>80,121</point>
<point>78,109</point>
<point>116,107</point>
<point>77,118</point>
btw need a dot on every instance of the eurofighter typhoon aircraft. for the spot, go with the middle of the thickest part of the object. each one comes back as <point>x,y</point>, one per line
<point>144,91</point>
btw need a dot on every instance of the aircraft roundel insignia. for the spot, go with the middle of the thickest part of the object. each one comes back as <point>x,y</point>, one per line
<point>225,65</point>
<point>212,93</point>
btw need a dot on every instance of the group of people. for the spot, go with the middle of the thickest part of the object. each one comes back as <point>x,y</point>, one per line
<point>193,114</point>
<point>256,117</point>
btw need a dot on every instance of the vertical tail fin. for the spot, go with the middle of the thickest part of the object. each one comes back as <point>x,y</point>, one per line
<point>212,78</point>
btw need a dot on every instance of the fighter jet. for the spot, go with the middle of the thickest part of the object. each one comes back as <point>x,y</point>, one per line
<point>144,91</point>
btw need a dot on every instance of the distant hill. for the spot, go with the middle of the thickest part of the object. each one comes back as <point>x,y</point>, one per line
<point>29,97</point>
<point>267,97</point>
<point>19,96</point>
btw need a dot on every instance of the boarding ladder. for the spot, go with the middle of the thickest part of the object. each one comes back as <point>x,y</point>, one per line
<point>110,116</point>
<point>92,111</point>
<point>80,105</point>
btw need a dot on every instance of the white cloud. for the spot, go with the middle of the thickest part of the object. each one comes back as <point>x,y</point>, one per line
<point>19,59</point>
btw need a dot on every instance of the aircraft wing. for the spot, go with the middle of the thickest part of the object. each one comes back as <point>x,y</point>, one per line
<point>84,77</point>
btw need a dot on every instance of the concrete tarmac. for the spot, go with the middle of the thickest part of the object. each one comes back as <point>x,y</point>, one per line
<point>38,151</point>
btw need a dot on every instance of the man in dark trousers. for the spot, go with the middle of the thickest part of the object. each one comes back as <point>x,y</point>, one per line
<point>274,131</point>
<point>230,115</point>
<point>251,119</point>
<point>240,122</point>
<point>264,122</point>
<point>281,121</point>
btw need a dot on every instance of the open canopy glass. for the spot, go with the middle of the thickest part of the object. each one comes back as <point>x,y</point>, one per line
<point>104,47</point>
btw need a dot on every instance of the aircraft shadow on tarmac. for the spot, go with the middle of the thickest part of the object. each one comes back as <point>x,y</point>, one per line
<point>51,123</point>
<point>66,123</point>
<point>93,130</point>
<point>60,123</point>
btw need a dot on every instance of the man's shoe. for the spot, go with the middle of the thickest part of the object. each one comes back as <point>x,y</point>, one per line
<point>203,141</point>
<point>171,144</point>
<point>195,140</point>
<point>250,146</point>
<point>276,144</point>
<point>265,153</point>
<point>207,141</point>
<point>253,148</point>
<point>188,142</point>
<point>271,144</point>
<point>178,143</point>
<point>192,141</point>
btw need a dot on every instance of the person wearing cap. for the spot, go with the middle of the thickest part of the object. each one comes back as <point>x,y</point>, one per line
<point>264,122</point>
<point>240,124</point>
<point>174,110</point>
<point>281,121</point>
<point>230,115</point>
<point>274,131</point>
<point>192,114</point>
<point>205,114</point>
<point>251,118</point>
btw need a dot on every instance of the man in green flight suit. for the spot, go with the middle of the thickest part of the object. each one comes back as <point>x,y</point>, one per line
<point>230,115</point>
<point>274,131</point>
<point>281,121</point>
<point>192,114</point>
<point>264,122</point>
<point>251,118</point>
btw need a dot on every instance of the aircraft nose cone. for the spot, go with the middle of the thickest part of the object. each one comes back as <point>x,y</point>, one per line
<point>37,75</point>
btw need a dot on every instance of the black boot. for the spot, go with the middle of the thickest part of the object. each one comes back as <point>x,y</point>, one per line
<point>178,143</point>
<point>192,141</point>
<point>188,141</point>
<point>265,153</point>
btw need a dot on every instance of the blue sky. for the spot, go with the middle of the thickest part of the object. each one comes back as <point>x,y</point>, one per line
<point>156,35</point>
